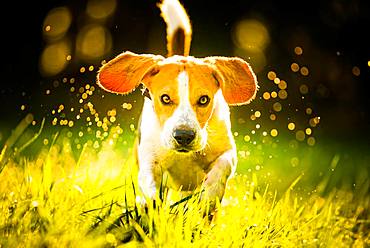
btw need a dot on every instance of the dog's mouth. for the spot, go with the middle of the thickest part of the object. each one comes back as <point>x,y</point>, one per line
<point>186,149</point>
<point>182,150</point>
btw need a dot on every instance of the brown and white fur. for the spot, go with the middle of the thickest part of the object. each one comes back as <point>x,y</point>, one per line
<point>185,131</point>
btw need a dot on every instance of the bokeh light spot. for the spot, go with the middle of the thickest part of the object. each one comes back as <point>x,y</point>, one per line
<point>282,85</point>
<point>251,34</point>
<point>274,132</point>
<point>308,131</point>
<point>127,106</point>
<point>298,50</point>
<point>52,59</point>
<point>311,141</point>
<point>356,71</point>
<point>308,111</point>
<point>271,75</point>
<point>283,94</point>
<point>294,67</point>
<point>294,161</point>
<point>98,9</point>
<point>303,89</point>
<point>293,144</point>
<point>277,107</point>
<point>291,126</point>
<point>314,121</point>
<point>93,42</point>
<point>266,95</point>
<point>57,23</point>
<point>304,71</point>
<point>300,135</point>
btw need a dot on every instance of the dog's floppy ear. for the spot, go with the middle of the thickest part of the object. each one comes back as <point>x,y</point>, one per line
<point>237,80</point>
<point>124,73</point>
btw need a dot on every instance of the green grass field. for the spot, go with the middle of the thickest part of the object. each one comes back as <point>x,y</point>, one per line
<point>53,197</point>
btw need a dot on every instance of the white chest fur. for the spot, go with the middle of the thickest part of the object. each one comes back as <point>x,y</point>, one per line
<point>182,170</point>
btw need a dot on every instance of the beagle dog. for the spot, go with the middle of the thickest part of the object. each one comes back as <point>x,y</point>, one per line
<point>185,129</point>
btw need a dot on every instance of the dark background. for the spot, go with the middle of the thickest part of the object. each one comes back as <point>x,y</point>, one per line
<point>333,33</point>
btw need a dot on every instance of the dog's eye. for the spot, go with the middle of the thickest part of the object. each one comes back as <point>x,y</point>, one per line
<point>203,100</point>
<point>165,99</point>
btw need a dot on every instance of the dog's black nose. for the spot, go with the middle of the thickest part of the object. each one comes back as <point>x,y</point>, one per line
<point>183,137</point>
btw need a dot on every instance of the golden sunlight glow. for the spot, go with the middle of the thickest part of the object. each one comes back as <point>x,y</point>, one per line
<point>57,23</point>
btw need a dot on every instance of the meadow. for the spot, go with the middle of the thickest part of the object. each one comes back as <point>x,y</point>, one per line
<point>54,196</point>
<point>68,175</point>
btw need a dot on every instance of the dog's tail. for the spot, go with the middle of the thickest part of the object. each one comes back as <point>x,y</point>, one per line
<point>178,27</point>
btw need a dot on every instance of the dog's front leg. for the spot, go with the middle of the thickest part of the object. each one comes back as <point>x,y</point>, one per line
<point>215,182</point>
<point>147,181</point>
<point>150,171</point>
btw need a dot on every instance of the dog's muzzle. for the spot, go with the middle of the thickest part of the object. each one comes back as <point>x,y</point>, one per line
<point>183,138</point>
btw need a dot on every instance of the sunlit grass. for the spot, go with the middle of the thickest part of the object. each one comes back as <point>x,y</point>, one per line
<point>57,199</point>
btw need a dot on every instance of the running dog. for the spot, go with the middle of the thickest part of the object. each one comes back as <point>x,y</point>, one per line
<point>185,130</point>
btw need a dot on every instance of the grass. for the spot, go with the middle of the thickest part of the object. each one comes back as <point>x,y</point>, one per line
<point>57,199</point>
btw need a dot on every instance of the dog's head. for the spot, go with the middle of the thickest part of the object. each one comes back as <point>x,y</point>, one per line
<point>183,90</point>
